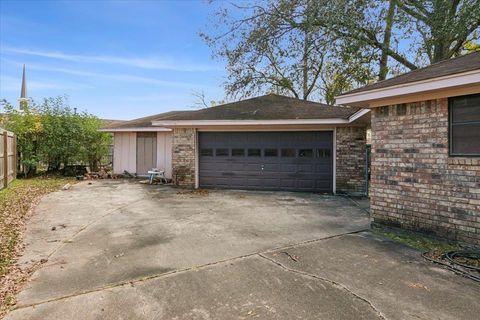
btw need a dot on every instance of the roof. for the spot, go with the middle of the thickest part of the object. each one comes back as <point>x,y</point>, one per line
<point>267,107</point>
<point>144,122</point>
<point>465,63</point>
<point>263,108</point>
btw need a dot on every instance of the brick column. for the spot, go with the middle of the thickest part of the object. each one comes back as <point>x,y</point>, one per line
<point>183,157</point>
<point>351,153</point>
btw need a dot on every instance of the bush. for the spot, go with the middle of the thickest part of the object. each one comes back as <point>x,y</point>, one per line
<point>55,135</point>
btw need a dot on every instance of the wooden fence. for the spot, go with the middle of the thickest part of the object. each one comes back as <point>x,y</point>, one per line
<point>8,158</point>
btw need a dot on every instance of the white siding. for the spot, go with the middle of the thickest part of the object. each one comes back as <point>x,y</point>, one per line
<point>125,152</point>
<point>164,152</point>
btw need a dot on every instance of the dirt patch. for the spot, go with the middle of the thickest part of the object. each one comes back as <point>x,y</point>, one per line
<point>195,192</point>
<point>16,204</point>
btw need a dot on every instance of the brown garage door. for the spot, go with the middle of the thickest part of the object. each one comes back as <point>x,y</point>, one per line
<point>292,161</point>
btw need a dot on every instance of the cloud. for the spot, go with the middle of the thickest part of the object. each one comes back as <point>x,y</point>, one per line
<point>138,62</point>
<point>115,77</point>
<point>14,84</point>
<point>122,77</point>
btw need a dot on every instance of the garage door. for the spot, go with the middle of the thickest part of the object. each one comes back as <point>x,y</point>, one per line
<point>292,161</point>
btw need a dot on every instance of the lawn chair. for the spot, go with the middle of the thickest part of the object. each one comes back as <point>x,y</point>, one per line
<point>156,174</point>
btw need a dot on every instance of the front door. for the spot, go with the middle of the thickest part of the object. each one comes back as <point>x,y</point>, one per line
<point>146,152</point>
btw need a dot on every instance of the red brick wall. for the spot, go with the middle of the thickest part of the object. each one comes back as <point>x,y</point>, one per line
<point>350,161</point>
<point>415,184</point>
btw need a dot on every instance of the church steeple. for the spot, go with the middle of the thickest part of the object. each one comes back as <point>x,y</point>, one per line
<point>23,101</point>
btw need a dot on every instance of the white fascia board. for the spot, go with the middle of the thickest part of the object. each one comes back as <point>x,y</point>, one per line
<point>450,81</point>
<point>360,113</point>
<point>195,123</point>
<point>149,129</point>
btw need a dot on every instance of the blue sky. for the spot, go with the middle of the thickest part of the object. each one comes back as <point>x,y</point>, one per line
<point>115,59</point>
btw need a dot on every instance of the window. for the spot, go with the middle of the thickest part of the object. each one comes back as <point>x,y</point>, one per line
<point>323,153</point>
<point>238,152</point>
<point>206,152</point>
<point>288,153</point>
<point>254,152</point>
<point>464,114</point>
<point>270,152</point>
<point>305,153</point>
<point>382,111</point>
<point>221,152</point>
<point>401,109</point>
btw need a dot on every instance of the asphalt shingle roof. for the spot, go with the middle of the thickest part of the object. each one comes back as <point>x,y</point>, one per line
<point>267,107</point>
<point>468,62</point>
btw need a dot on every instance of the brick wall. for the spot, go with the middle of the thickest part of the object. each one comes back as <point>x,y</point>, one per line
<point>351,153</point>
<point>414,182</point>
<point>183,157</point>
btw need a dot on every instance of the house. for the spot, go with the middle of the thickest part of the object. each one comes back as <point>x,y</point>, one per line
<point>426,148</point>
<point>270,142</point>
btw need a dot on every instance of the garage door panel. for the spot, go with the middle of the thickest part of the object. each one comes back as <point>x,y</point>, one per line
<point>297,161</point>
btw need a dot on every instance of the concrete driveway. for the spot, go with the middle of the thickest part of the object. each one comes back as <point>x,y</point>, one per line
<point>121,250</point>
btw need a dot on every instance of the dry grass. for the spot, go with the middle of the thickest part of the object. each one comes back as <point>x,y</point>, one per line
<point>16,204</point>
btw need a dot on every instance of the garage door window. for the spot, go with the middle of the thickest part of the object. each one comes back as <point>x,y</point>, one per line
<point>238,152</point>
<point>288,153</point>
<point>221,152</point>
<point>271,152</point>
<point>305,153</point>
<point>254,152</point>
<point>206,152</point>
<point>323,153</point>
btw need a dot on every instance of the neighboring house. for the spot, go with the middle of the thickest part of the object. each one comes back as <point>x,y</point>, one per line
<point>270,142</point>
<point>426,148</point>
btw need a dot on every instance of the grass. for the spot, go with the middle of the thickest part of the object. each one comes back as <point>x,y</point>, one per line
<point>16,202</point>
<point>416,240</point>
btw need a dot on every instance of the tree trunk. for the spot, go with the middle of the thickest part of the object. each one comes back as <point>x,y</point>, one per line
<point>383,70</point>
<point>305,66</point>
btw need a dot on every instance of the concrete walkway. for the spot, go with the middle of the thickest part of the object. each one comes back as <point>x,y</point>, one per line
<point>119,250</point>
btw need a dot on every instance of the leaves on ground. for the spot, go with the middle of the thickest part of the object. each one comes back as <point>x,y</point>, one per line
<point>16,204</point>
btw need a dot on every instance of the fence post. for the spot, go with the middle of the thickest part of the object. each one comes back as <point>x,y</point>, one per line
<point>5,159</point>
<point>15,157</point>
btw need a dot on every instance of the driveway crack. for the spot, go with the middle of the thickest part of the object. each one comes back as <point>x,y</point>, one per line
<point>189,269</point>
<point>316,277</point>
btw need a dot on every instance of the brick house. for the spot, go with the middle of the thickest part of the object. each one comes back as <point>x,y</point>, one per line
<point>270,142</point>
<point>426,148</point>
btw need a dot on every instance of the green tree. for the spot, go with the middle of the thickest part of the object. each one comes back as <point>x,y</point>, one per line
<point>95,145</point>
<point>53,135</point>
<point>298,47</point>
<point>274,46</point>
<point>27,125</point>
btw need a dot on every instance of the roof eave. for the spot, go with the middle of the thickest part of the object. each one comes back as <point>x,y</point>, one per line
<point>364,98</point>
<point>135,129</point>
<point>199,123</point>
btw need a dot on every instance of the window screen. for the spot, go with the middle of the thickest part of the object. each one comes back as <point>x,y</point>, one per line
<point>465,125</point>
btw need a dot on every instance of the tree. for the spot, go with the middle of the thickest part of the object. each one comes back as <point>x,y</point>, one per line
<point>275,46</point>
<point>200,101</point>
<point>27,125</point>
<point>54,135</point>
<point>95,145</point>
<point>444,27</point>
<point>298,47</point>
